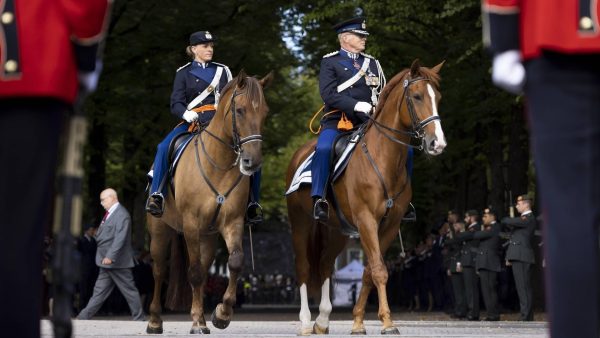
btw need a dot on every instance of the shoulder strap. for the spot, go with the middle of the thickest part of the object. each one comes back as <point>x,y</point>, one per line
<point>352,80</point>
<point>211,87</point>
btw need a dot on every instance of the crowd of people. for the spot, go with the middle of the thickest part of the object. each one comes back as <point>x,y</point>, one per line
<point>467,258</point>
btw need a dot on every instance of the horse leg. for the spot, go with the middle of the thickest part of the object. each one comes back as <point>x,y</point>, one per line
<point>301,229</point>
<point>232,235</point>
<point>370,243</point>
<point>358,312</point>
<point>336,244</point>
<point>197,274</point>
<point>161,235</point>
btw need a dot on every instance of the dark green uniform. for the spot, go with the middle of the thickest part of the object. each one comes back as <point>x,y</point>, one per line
<point>487,263</point>
<point>456,278</point>
<point>520,254</point>
<point>467,259</point>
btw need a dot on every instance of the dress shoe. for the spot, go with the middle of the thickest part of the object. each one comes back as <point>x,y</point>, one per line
<point>321,210</point>
<point>472,318</point>
<point>491,319</point>
<point>155,205</point>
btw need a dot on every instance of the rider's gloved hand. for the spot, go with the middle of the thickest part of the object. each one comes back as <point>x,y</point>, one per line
<point>190,116</point>
<point>363,117</point>
<point>508,72</point>
<point>364,107</point>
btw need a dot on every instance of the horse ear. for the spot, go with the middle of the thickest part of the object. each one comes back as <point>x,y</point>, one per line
<point>241,79</point>
<point>266,81</point>
<point>414,68</point>
<point>437,68</point>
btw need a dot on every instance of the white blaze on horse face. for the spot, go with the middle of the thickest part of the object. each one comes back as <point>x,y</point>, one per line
<point>305,327</point>
<point>440,139</point>
<point>255,104</point>
<point>325,306</point>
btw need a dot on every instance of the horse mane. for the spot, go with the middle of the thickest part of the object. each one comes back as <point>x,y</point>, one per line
<point>389,88</point>
<point>252,86</point>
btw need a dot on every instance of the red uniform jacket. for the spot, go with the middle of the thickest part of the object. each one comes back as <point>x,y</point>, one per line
<point>44,43</point>
<point>564,26</point>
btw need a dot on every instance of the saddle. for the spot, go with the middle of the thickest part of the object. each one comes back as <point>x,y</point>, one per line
<point>343,148</point>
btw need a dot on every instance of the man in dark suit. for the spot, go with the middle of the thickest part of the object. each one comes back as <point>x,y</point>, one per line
<point>519,253</point>
<point>488,262</point>
<point>454,268</point>
<point>114,256</point>
<point>467,259</point>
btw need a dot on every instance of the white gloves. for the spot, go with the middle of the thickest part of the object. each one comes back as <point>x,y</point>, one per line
<point>88,81</point>
<point>508,72</point>
<point>190,116</point>
<point>364,107</point>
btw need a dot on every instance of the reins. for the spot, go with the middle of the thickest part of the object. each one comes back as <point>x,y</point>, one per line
<point>236,147</point>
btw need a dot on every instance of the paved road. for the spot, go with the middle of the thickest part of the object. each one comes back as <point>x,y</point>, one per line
<point>241,328</point>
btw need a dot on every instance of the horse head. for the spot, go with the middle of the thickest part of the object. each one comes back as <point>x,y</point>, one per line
<point>416,100</point>
<point>422,97</point>
<point>247,111</point>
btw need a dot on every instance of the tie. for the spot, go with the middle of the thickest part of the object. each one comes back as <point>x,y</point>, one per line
<point>355,64</point>
<point>105,216</point>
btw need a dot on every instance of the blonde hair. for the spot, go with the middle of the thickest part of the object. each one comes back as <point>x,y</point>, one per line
<point>189,53</point>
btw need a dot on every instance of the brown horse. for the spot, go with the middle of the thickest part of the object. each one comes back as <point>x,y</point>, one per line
<point>373,194</point>
<point>211,193</point>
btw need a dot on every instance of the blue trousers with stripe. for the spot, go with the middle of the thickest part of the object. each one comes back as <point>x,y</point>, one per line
<point>321,162</point>
<point>161,162</point>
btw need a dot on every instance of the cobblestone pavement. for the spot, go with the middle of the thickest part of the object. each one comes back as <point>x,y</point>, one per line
<point>285,324</point>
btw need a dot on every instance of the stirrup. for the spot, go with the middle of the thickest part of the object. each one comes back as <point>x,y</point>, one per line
<point>411,214</point>
<point>254,213</point>
<point>155,204</point>
<point>323,207</point>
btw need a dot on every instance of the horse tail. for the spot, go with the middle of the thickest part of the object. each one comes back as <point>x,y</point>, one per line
<point>316,248</point>
<point>179,293</point>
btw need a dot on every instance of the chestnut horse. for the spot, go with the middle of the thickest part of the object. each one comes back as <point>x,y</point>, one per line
<point>211,193</point>
<point>373,194</point>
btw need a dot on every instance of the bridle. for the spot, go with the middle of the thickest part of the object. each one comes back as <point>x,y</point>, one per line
<point>417,131</point>
<point>238,141</point>
<point>236,147</point>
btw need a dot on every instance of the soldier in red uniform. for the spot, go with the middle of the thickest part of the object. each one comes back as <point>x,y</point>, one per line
<point>551,50</point>
<point>48,49</point>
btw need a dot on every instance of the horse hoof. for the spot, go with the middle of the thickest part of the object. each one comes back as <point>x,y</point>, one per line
<point>391,330</point>
<point>305,332</point>
<point>154,330</point>
<point>217,322</point>
<point>359,332</point>
<point>319,330</point>
<point>200,330</point>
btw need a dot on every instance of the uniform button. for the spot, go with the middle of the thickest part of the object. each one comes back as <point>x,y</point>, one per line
<point>197,80</point>
<point>345,68</point>
<point>10,66</point>
<point>586,23</point>
<point>7,18</point>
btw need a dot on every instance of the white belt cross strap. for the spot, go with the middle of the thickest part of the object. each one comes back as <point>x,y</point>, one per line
<point>361,72</point>
<point>211,87</point>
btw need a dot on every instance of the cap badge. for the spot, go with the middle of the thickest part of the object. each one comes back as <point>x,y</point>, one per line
<point>364,25</point>
<point>208,36</point>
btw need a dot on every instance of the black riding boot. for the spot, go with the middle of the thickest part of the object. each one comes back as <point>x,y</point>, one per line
<point>155,205</point>
<point>321,209</point>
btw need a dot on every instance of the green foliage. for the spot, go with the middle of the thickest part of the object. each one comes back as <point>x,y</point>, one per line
<point>146,45</point>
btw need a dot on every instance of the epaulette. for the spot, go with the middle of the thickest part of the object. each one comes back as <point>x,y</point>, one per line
<point>367,55</point>
<point>180,68</point>
<point>219,64</point>
<point>331,54</point>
